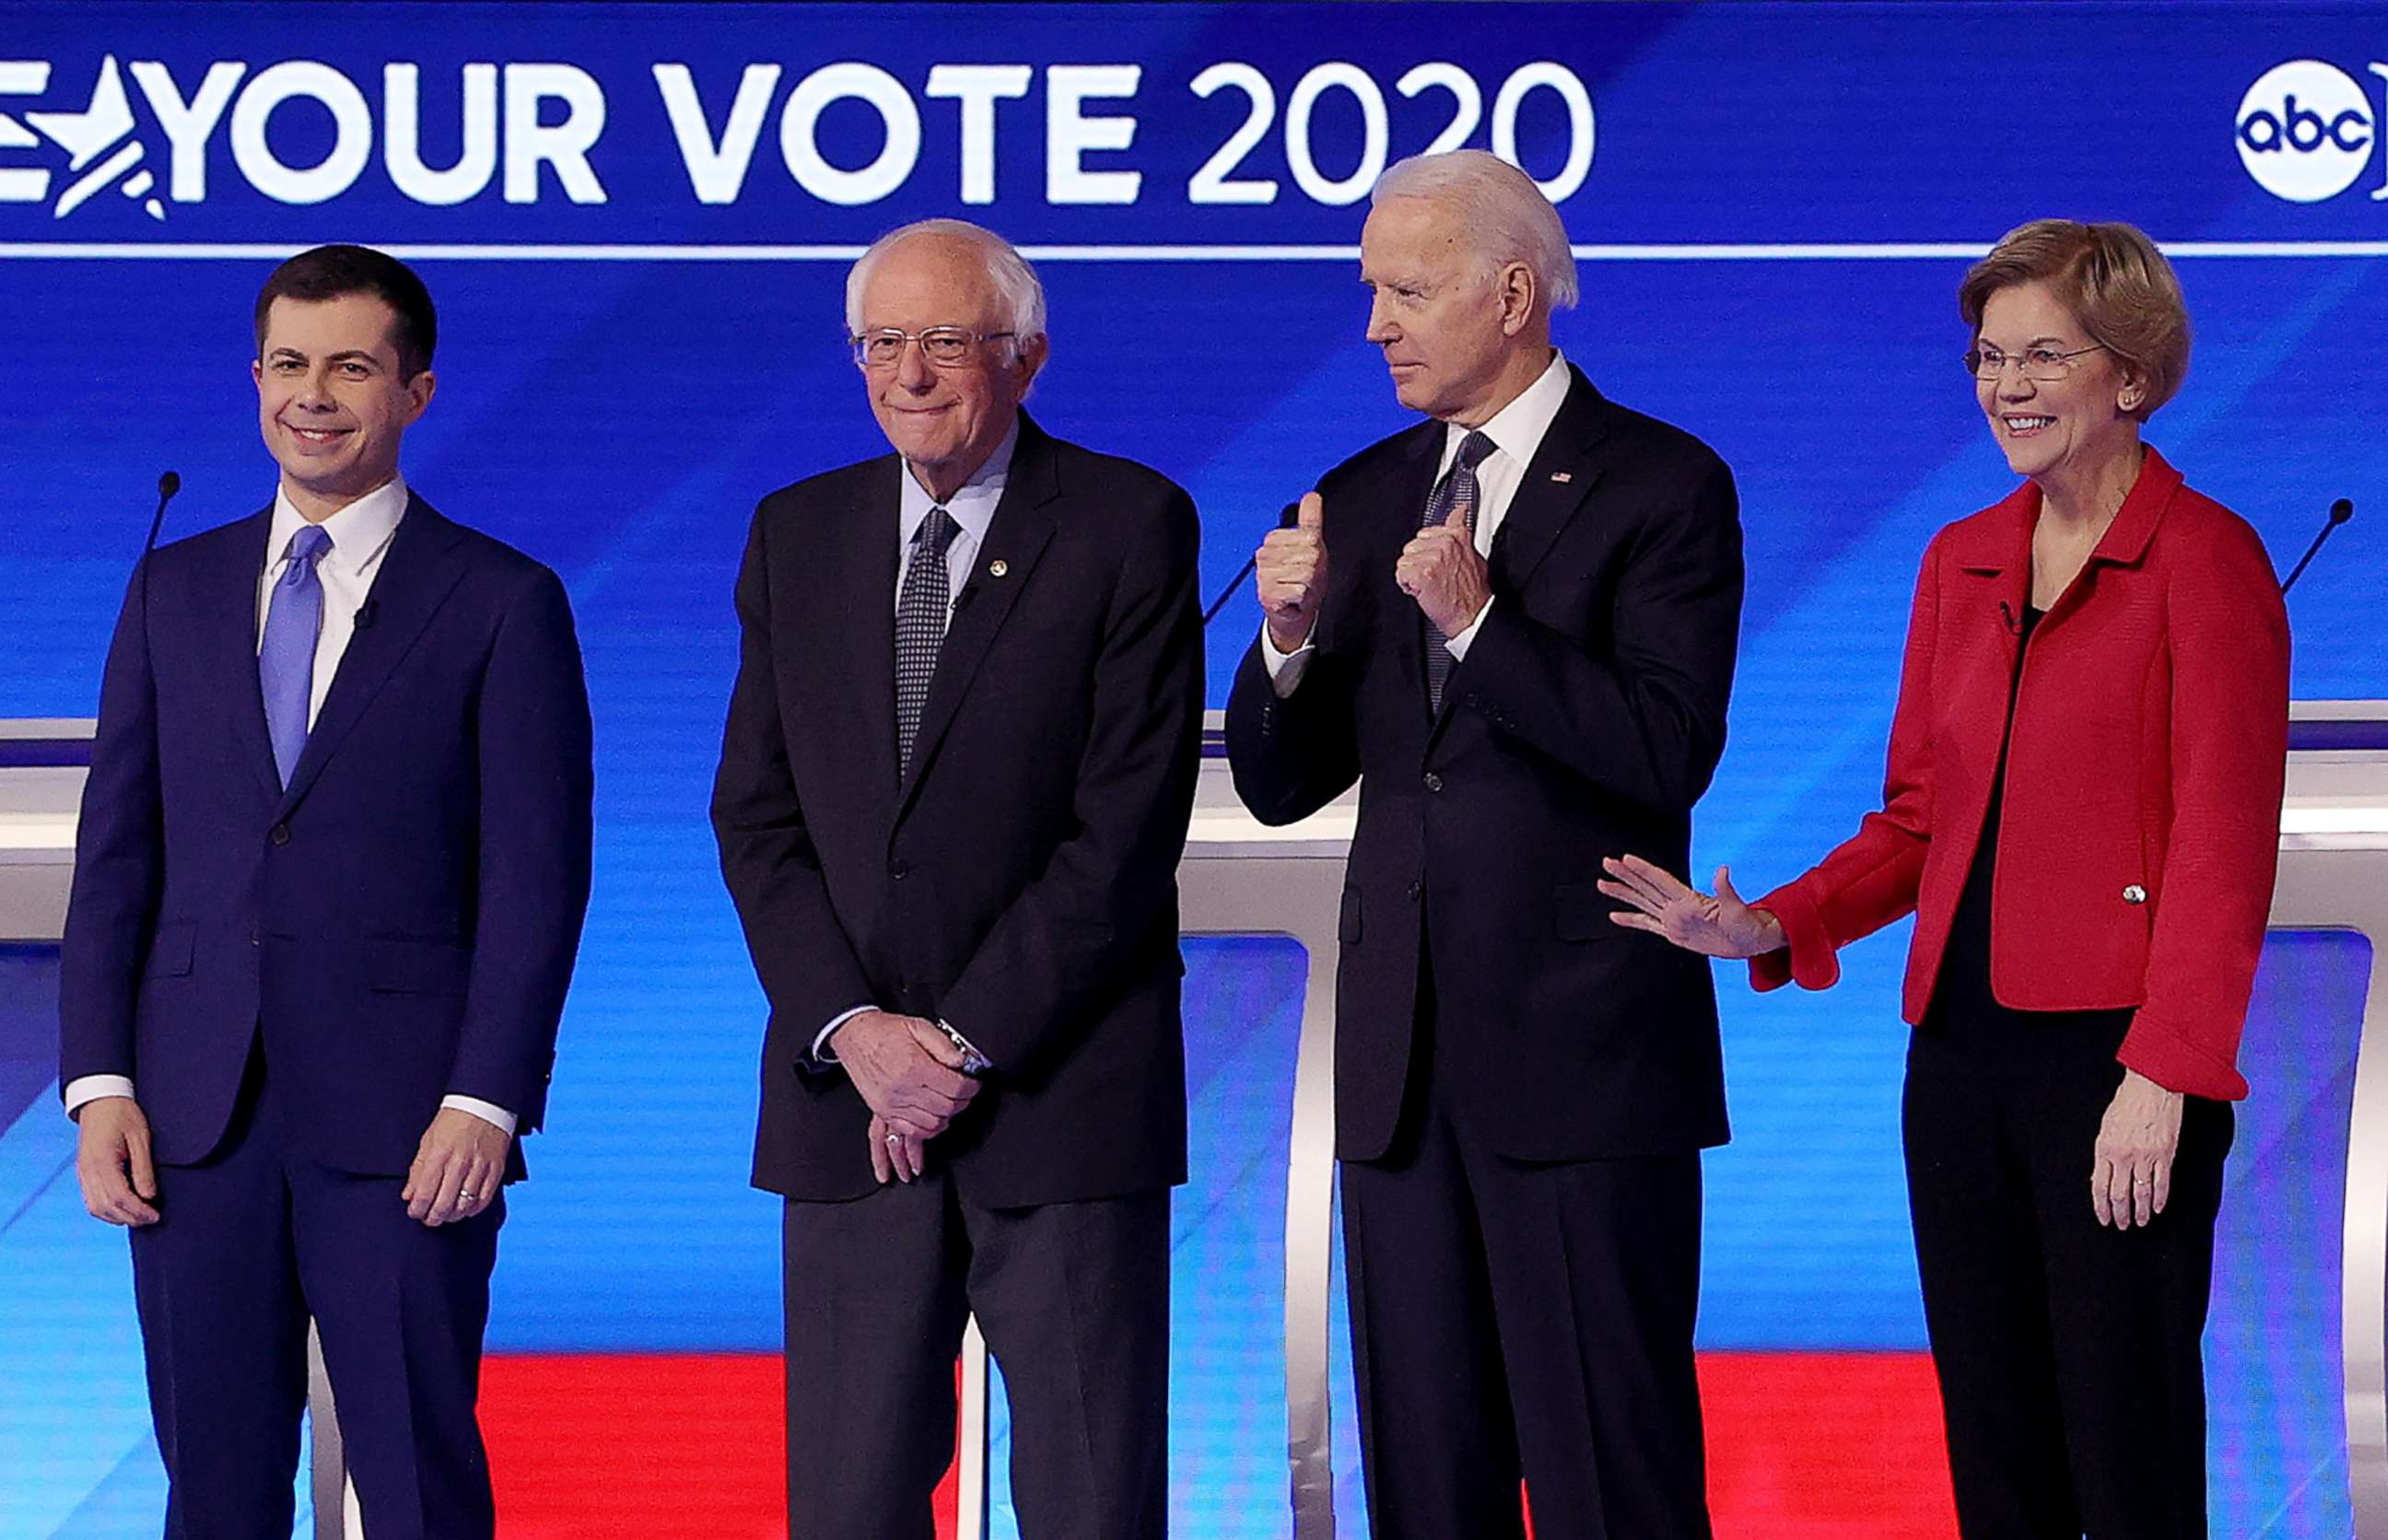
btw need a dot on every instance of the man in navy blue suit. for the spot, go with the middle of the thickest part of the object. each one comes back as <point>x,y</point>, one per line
<point>329,880</point>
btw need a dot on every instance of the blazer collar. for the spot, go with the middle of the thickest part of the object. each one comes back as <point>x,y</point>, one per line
<point>1999,539</point>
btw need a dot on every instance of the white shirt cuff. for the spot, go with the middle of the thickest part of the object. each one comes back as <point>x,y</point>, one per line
<point>1457,646</point>
<point>91,1088</point>
<point>1285,669</point>
<point>489,1112</point>
<point>823,1058</point>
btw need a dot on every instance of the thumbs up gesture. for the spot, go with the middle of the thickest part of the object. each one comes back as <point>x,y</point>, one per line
<point>1290,571</point>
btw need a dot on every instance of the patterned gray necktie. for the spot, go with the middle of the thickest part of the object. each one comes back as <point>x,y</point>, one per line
<point>920,611</point>
<point>1454,495</point>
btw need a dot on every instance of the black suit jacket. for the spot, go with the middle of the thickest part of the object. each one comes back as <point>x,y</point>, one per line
<point>1022,883</point>
<point>1584,722</point>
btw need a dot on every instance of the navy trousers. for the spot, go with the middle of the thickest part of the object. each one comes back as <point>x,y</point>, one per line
<point>251,1241</point>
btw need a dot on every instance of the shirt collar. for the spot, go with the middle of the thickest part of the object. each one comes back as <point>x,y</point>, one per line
<point>974,506</point>
<point>358,531</point>
<point>1517,429</point>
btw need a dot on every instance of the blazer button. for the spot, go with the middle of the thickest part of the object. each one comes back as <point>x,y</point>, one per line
<point>1433,781</point>
<point>1416,891</point>
<point>2135,894</point>
<point>900,870</point>
<point>279,834</point>
<point>254,938</point>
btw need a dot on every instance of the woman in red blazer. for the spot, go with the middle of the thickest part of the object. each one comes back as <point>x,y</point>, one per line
<point>2082,811</point>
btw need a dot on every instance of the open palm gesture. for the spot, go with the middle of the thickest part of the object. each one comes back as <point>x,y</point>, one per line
<point>1716,925</point>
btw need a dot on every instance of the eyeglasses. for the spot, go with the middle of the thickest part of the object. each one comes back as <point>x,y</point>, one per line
<point>2043,364</point>
<point>945,346</point>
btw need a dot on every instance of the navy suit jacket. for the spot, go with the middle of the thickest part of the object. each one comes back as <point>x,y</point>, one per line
<point>400,924</point>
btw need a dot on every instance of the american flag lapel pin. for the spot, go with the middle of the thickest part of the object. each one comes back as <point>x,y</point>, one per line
<point>1562,475</point>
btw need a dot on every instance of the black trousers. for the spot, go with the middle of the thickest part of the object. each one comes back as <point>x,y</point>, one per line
<point>1073,1298</point>
<point>2071,1375</point>
<point>1513,1318</point>
<point>252,1241</point>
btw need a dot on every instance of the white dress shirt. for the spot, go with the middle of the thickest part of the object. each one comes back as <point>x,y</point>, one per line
<point>361,535</point>
<point>973,508</point>
<point>1516,432</point>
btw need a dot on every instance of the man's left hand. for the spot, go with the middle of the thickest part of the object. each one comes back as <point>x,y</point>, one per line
<point>1440,569</point>
<point>897,1156</point>
<point>457,1168</point>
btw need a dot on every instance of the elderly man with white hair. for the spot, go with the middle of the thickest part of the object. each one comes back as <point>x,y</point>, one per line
<point>954,788</point>
<point>1516,621</point>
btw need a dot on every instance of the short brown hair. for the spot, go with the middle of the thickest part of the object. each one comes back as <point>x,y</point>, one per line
<point>2113,279</point>
<point>330,271</point>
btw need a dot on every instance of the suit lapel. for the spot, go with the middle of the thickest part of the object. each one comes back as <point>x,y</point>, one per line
<point>1410,483</point>
<point>857,578</point>
<point>228,627</point>
<point>1995,550</point>
<point>1555,485</point>
<point>1016,538</point>
<point>416,577</point>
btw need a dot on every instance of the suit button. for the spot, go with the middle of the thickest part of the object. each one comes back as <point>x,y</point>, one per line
<point>254,938</point>
<point>1415,891</point>
<point>279,834</point>
<point>1433,781</point>
<point>900,870</point>
<point>2135,894</point>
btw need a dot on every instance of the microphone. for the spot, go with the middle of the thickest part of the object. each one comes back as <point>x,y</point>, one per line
<point>2007,618</point>
<point>1285,520</point>
<point>168,484</point>
<point>2340,511</point>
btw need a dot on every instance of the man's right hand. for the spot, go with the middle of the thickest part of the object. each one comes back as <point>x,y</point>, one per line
<point>113,1162</point>
<point>908,1070</point>
<point>1290,571</point>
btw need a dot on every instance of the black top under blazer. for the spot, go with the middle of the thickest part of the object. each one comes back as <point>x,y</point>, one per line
<point>1023,881</point>
<point>1585,719</point>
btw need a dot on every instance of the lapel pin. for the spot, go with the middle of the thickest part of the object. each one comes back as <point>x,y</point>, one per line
<point>1562,475</point>
<point>998,567</point>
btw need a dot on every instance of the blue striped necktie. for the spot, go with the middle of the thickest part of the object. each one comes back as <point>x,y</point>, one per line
<point>1454,495</point>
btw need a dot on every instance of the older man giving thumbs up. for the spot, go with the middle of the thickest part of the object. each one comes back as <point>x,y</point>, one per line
<point>1524,643</point>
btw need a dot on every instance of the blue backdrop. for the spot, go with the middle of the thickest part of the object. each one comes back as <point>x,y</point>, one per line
<point>637,221</point>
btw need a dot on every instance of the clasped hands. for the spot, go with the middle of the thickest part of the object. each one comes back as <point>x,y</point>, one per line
<point>2130,1170</point>
<point>459,1165</point>
<point>1440,568</point>
<point>911,1074</point>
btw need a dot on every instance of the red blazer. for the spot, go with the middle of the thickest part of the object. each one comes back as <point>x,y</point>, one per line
<point>2142,809</point>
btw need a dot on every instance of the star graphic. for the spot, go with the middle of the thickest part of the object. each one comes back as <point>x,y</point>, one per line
<point>83,135</point>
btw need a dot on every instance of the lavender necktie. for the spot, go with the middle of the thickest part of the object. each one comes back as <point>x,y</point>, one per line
<point>286,663</point>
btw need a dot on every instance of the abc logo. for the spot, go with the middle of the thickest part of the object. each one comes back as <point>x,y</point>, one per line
<point>2305,131</point>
